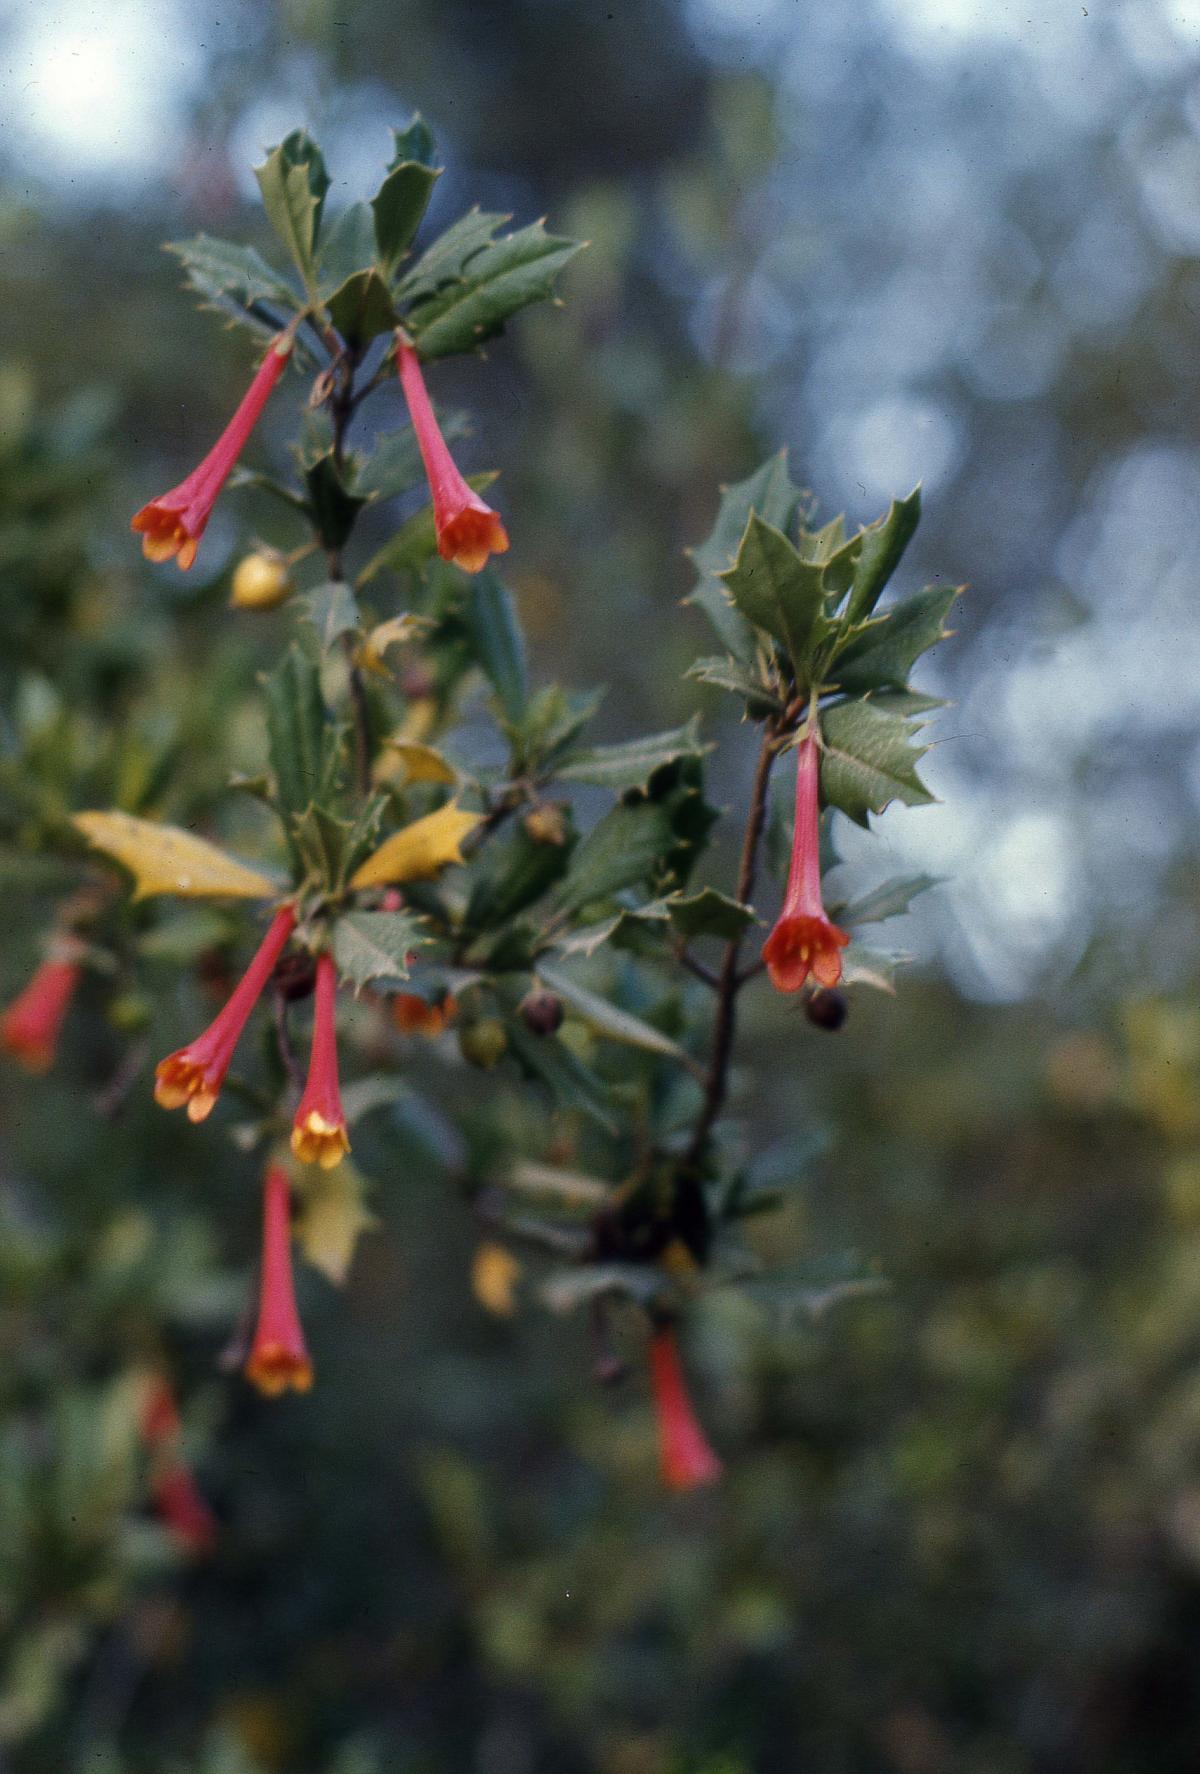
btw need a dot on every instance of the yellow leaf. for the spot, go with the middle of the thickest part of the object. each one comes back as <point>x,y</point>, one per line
<point>414,762</point>
<point>392,633</point>
<point>331,1217</point>
<point>419,851</point>
<point>164,859</point>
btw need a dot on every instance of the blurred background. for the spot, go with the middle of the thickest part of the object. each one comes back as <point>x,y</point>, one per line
<point>953,241</point>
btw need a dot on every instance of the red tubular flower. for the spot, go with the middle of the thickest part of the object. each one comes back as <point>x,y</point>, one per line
<point>194,1075</point>
<point>467,529</point>
<point>171,525</point>
<point>178,1501</point>
<point>278,1356</point>
<point>803,940</point>
<point>319,1131</point>
<point>183,1509</point>
<point>685,1456</point>
<point>29,1028</point>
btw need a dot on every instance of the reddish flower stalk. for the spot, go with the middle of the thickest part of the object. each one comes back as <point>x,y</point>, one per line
<point>685,1457</point>
<point>803,940</point>
<point>171,525</point>
<point>468,531</point>
<point>194,1074</point>
<point>319,1132</point>
<point>278,1357</point>
<point>29,1028</point>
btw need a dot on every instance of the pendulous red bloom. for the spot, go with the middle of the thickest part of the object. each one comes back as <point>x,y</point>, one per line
<point>183,1509</point>
<point>468,531</point>
<point>686,1460</point>
<point>29,1028</point>
<point>194,1075</point>
<point>319,1132</point>
<point>171,525</point>
<point>803,940</point>
<point>278,1357</point>
<point>178,1501</point>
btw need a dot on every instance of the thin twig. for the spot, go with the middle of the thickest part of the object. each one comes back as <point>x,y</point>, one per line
<point>283,1038</point>
<point>728,982</point>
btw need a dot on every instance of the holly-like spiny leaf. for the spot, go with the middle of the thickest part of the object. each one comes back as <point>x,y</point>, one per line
<point>419,851</point>
<point>166,859</point>
<point>373,946</point>
<point>883,654</point>
<point>632,763</point>
<point>883,546</point>
<point>769,492</point>
<point>869,760</point>
<point>293,181</point>
<point>495,282</point>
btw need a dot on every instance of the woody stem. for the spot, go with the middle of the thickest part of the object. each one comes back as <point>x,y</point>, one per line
<point>341,409</point>
<point>730,978</point>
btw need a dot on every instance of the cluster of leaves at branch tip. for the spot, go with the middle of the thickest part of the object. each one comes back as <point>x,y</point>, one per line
<point>797,612</point>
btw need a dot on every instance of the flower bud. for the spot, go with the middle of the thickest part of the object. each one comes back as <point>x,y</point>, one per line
<point>542,1013</point>
<point>826,1009</point>
<point>296,975</point>
<point>547,823</point>
<point>484,1043</point>
<point>260,581</point>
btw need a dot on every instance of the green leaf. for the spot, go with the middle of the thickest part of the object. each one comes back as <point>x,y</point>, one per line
<point>869,760</point>
<point>887,901</point>
<point>883,545</point>
<point>362,309</point>
<point>370,946</point>
<point>334,508</point>
<point>625,847</point>
<point>708,913</point>
<point>348,247</point>
<point>224,272</point>
<point>443,260</point>
<point>413,142</point>
<point>777,591</point>
<point>322,842</point>
<point>395,466</point>
<point>862,966</point>
<point>497,642</point>
<point>399,205</point>
<point>572,1084</point>
<point>498,280</point>
<point>301,738</point>
<point>907,702</point>
<point>553,720</point>
<point>514,874</point>
<point>632,763</point>
<point>608,1019</point>
<point>770,492</point>
<point>886,651</point>
<point>293,182</point>
<point>747,681</point>
<point>333,611</point>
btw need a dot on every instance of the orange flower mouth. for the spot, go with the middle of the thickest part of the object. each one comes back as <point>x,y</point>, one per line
<point>179,1080</point>
<point>470,537</point>
<point>274,1369</point>
<point>318,1141</point>
<point>164,536</point>
<point>804,944</point>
